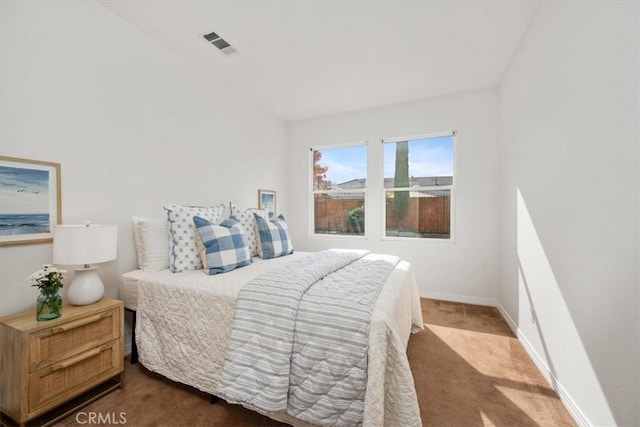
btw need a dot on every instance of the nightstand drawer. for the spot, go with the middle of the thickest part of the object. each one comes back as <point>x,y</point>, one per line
<point>70,377</point>
<point>65,340</point>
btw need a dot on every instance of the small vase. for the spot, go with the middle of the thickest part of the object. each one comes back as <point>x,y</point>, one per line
<point>49,305</point>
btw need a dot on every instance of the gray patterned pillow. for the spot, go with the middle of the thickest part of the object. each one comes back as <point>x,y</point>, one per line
<point>183,252</point>
<point>248,223</point>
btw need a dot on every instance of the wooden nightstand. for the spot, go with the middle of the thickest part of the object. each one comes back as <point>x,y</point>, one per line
<point>46,364</point>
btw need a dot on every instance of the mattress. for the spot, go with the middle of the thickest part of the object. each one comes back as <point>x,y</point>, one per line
<point>184,321</point>
<point>227,284</point>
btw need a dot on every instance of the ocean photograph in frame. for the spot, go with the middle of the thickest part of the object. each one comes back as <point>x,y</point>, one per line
<point>30,201</point>
<point>267,200</point>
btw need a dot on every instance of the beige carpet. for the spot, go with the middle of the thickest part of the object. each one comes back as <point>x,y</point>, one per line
<point>470,370</point>
<point>468,367</point>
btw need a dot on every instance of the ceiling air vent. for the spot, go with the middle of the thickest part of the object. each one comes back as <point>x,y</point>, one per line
<point>220,43</point>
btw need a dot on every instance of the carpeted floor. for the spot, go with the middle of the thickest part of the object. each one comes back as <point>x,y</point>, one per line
<point>468,367</point>
<point>470,370</point>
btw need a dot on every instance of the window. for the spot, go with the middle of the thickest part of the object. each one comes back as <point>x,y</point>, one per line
<point>418,186</point>
<point>339,178</point>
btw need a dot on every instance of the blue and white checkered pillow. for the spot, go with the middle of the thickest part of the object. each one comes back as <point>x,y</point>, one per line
<point>223,246</point>
<point>274,237</point>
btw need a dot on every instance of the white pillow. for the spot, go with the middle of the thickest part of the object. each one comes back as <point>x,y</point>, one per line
<point>183,252</point>
<point>151,236</point>
<point>137,239</point>
<point>248,223</point>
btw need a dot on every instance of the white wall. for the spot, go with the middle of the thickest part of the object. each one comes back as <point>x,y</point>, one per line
<point>569,119</point>
<point>461,271</point>
<point>133,125</point>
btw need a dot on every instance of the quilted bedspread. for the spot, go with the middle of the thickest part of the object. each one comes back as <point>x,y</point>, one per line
<point>184,325</point>
<point>300,337</point>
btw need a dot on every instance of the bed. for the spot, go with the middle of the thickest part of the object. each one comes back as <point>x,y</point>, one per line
<point>185,323</point>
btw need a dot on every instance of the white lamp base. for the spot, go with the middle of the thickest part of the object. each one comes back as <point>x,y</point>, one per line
<point>86,287</point>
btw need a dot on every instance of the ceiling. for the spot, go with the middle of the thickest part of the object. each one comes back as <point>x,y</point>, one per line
<point>302,59</point>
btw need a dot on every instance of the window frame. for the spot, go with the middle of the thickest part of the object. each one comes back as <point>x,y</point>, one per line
<point>451,188</point>
<point>312,192</point>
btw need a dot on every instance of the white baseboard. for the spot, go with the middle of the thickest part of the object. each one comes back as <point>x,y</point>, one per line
<point>460,298</point>
<point>539,362</point>
<point>508,319</point>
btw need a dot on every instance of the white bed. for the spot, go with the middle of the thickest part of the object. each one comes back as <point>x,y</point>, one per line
<point>184,321</point>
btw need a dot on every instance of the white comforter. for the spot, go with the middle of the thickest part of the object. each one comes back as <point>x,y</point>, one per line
<point>185,320</point>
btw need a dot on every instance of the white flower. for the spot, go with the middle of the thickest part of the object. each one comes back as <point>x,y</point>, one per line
<point>47,277</point>
<point>37,275</point>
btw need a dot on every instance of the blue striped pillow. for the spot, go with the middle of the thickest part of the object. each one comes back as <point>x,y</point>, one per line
<point>274,237</point>
<point>223,247</point>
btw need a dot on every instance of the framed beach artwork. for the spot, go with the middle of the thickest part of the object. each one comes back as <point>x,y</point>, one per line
<point>267,200</point>
<point>30,201</point>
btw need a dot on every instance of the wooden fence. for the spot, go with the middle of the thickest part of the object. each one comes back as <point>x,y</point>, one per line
<point>331,214</point>
<point>427,216</point>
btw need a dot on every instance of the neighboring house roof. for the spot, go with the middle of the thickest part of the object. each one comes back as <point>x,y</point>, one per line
<point>418,181</point>
<point>421,181</point>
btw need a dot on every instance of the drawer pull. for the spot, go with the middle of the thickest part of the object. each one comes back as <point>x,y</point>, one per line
<point>77,323</point>
<point>76,359</point>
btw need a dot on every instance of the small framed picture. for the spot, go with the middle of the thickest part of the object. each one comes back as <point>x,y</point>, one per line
<point>30,201</point>
<point>267,200</point>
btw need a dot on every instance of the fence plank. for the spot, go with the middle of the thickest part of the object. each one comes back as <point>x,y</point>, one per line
<point>425,215</point>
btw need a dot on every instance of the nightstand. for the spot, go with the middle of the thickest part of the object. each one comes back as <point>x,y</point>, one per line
<point>49,363</point>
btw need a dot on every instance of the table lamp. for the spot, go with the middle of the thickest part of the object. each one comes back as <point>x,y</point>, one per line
<point>85,245</point>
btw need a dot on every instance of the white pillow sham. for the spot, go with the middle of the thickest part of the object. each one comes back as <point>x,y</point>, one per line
<point>248,223</point>
<point>183,252</point>
<point>151,236</point>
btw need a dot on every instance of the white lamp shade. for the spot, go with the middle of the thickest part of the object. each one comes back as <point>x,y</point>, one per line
<point>84,244</point>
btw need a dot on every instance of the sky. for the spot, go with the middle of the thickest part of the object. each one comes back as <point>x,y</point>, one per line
<point>345,163</point>
<point>23,191</point>
<point>427,157</point>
